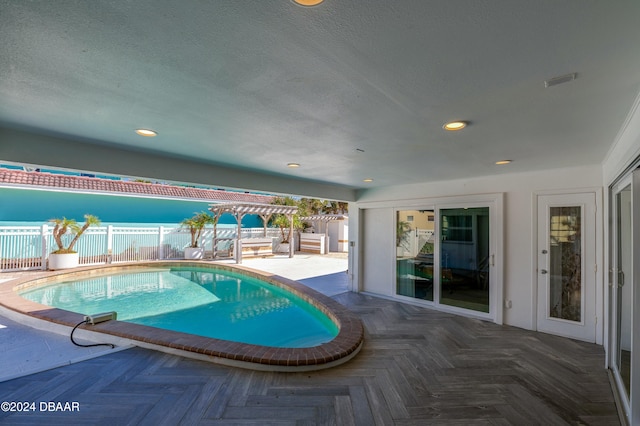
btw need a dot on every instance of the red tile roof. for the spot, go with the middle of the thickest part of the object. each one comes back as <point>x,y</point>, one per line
<point>10,177</point>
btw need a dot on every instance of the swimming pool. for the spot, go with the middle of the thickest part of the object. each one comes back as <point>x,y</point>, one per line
<point>203,301</point>
<point>344,346</point>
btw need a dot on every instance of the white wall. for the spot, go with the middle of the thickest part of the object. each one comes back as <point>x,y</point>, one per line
<point>377,255</point>
<point>338,233</point>
<point>518,189</point>
<point>626,147</point>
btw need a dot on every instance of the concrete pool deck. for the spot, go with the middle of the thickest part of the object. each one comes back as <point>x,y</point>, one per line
<point>27,350</point>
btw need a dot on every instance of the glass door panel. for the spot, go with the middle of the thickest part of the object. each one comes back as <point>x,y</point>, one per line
<point>414,253</point>
<point>622,281</point>
<point>565,263</point>
<point>465,258</point>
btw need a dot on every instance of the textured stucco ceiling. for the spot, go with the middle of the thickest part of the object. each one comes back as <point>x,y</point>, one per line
<point>256,84</point>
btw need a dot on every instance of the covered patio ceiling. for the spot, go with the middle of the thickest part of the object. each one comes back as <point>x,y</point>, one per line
<point>239,92</point>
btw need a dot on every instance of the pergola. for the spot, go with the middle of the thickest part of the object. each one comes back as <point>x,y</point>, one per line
<point>239,210</point>
<point>323,218</point>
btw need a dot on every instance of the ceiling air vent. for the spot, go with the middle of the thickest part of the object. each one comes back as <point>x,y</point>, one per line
<point>560,79</point>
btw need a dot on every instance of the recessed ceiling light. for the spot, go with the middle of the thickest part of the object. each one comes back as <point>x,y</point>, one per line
<point>308,2</point>
<point>501,162</point>
<point>452,126</point>
<point>146,132</point>
<point>293,165</point>
<point>367,180</point>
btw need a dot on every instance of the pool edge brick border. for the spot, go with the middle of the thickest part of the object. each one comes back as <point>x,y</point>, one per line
<point>341,349</point>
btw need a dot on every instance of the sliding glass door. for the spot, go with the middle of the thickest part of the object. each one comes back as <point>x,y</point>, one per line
<point>414,253</point>
<point>464,258</point>
<point>624,293</point>
<point>621,288</point>
<point>445,255</point>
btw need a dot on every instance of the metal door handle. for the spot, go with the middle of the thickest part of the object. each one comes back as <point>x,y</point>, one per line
<point>543,271</point>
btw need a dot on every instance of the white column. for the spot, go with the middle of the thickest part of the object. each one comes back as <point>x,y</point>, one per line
<point>292,239</point>
<point>353,246</point>
<point>161,243</point>
<point>239,238</point>
<point>109,248</point>
<point>44,231</point>
<point>326,237</point>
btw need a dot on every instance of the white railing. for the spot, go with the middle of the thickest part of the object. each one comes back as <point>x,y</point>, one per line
<point>28,247</point>
<point>22,247</point>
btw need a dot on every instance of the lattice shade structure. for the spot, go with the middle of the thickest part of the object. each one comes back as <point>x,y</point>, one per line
<point>323,217</point>
<point>322,220</point>
<point>239,210</point>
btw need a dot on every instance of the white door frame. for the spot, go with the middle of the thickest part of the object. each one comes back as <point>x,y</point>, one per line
<point>635,330</point>
<point>599,249</point>
<point>494,201</point>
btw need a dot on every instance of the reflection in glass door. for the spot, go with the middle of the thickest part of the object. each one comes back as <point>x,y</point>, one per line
<point>414,253</point>
<point>622,285</point>
<point>464,258</point>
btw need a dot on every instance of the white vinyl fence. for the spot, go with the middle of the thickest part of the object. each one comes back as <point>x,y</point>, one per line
<point>28,247</point>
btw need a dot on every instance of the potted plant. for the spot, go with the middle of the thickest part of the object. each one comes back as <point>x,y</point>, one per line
<point>282,222</point>
<point>196,225</point>
<point>65,256</point>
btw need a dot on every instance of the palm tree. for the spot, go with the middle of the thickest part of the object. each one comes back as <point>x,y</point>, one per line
<point>196,225</point>
<point>310,206</point>
<point>64,225</point>
<point>313,206</point>
<point>282,221</point>
<point>336,207</point>
<point>402,230</point>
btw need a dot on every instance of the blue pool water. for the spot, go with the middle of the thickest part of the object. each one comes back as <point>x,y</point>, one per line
<point>207,302</point>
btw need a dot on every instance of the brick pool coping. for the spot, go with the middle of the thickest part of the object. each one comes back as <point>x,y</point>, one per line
<point>337,351</point>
